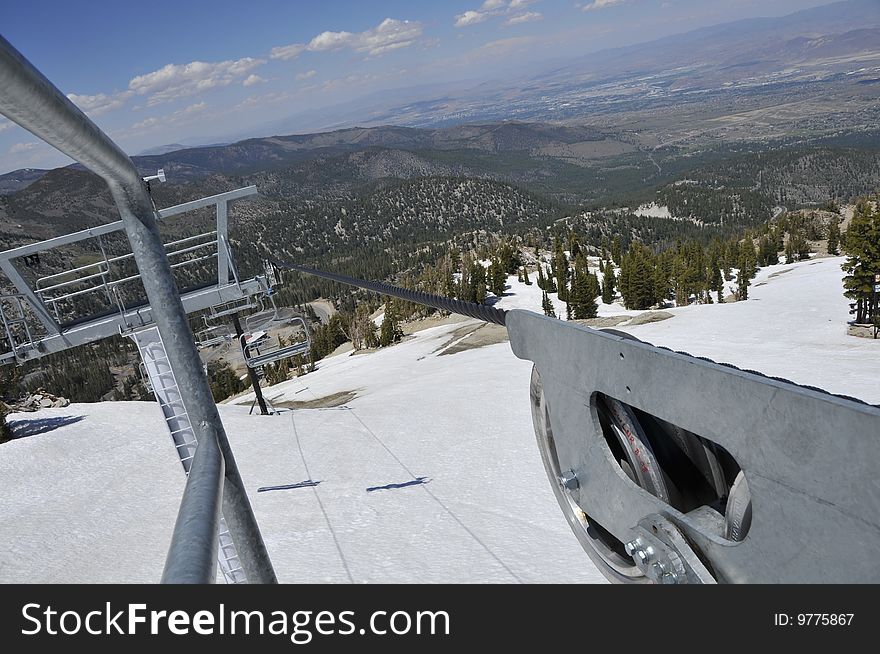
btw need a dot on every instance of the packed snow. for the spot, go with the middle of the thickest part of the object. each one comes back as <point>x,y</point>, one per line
<point>653,210</point>
<point>430,475</point>
<point>428,472</point>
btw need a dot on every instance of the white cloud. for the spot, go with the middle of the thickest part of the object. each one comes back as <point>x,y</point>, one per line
<point>101,103</point>
<point>18,148</point>
<point>601,4</point>
<point>527,17</point>
<point>178,81</point>
<point>291,51</point>
<point>492,8</point>
<point>306,75</point>
<point>6,124</point>
<point>390,34</point>
<point>471,18</point>
<point>175,118</point>
<point>252,79</point>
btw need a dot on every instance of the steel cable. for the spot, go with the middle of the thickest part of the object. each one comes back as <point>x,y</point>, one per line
<point>470,309</point>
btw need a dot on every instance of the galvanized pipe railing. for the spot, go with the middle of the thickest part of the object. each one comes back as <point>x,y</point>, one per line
<point>32,101</point>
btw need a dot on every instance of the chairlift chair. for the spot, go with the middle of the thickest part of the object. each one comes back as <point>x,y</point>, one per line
<point>260,347</point>
<point>213,335</point>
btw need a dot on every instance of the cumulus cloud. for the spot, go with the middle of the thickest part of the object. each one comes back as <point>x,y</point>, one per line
<point>100,103</point>
<point>175,81</point>
<point>252,79</point>
<point>527,17</point>
<point>471,18</point>
<point>601,4</point>
<point>306,75</point>
<point>492,8</point>
<point>390,34</point>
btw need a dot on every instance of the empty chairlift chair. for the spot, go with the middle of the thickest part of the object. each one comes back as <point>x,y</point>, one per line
<point>263,341</point>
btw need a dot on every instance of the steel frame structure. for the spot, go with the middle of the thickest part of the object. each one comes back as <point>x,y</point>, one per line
<point>228,289</point>
<point>214,483</point>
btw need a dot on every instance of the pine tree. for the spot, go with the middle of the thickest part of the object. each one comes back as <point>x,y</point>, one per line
<point>389,332</point>
<point>834,236</point>
<point>616,250</point>
<point>547,305</point>
<point>551,285</point>
<point>560,270</point>
<point>608,281</point>
<point>584,289</point>
<point>862,247</point>
<point>525,276</point>
<point>497,277</point>
<point>747,269</point>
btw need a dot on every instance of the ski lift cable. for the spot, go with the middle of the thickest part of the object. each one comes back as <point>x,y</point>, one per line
<point>470,309</point>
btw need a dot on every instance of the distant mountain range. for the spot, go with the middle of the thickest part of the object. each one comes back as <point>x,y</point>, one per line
<point>19,179</point>
<point>807,76</point>
<point>818,43</point>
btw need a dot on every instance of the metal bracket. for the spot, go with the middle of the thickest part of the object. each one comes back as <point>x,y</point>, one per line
<point>663,555</point>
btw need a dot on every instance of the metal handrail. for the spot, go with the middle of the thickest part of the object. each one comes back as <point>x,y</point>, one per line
<point>32,101</point>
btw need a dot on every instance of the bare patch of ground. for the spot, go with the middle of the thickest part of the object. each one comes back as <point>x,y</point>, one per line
<point>472,337</point>
<point>861,331</point>
<point>327,402</point>
<point>602,321</point>
<point>414,326</point>
<point>649,317</point>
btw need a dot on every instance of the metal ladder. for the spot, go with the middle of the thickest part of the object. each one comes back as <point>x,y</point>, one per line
<point>158,370</point>
<point>18,333</point>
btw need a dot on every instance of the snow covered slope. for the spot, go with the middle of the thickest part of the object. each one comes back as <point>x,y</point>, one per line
<point>793,326</point>
<point>430,475</point>
<point>428,471</point>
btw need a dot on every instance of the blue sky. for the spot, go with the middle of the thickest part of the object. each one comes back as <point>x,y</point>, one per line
<point>161,72</point>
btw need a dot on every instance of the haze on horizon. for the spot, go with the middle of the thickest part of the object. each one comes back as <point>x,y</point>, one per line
<point>201,71</point>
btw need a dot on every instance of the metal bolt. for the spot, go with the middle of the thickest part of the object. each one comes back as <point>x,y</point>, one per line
<point>642,556</point>
<point>632,546</point>
<point>667,578</point>
<point>569,480</point>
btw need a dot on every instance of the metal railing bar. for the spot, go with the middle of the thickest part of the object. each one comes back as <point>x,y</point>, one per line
<point>33,102</point>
